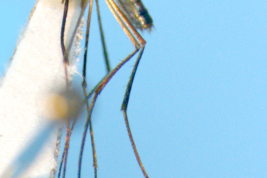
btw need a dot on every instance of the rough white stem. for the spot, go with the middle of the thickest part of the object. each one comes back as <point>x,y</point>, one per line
<point>35,68</point>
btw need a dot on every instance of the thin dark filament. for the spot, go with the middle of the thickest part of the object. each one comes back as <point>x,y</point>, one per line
<point>122,19</point>
<point>130,82</point>
<point>62,42</point>
<point>97,92</point>
<point>93,90</point>
<point>63,48</point>
<point>65,153</point>
<point>105,52</point>
<point>117,16</point>
<point>87,40</point>
<point>61,162</point>
<point>65,61</point>
<point>66,147</point>
<point>100,87</point>
<point>92,138</point>
<point>124,109</point>
<point>84,84</point>
<point>76,27</point>
<point>129,24</point>
<point>88,122</point>
<point>114,71</point>
<point>133,144</point>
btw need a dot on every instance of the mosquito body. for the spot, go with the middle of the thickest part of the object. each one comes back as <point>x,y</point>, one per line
<point>131,15</point>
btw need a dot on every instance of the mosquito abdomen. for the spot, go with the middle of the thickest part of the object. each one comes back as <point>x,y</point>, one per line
<point>136,13</point>
<point>143,15</point>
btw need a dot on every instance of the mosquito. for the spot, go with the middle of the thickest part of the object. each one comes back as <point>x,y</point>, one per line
<point>131,16</point>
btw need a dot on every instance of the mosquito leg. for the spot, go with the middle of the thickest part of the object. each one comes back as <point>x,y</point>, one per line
<point>65,61</point>
<point>111,5</point>
<point>119,15</point>
<point>66,149</point>
<point>93,90</point>
<point>124,109</point>
<point>105,52</point>
<point>61,162</point>
<point>87,42</point>
<point>63,48</point>
<point>84,84</point>
<point>65,153</point>
<point>98,89</point>
<point>84,70</point>
<point>128,23</point>
<point>62,159</point>
<point>62,43</point>
<point>88,123</point>
<point>103,83</point>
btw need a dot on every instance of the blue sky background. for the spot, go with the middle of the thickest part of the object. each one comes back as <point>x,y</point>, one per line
<point>198,104</point>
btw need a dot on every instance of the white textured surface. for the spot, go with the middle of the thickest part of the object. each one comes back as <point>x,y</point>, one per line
<point>37,65</point>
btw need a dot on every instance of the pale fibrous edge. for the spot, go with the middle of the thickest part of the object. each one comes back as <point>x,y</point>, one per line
<point>72,70</point>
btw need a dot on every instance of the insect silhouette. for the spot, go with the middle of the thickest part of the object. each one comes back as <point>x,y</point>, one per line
<point>131,16</point>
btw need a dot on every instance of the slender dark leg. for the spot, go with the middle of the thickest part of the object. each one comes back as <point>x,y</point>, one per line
<point>119,16</point>
<point>84,84</point>
<point>98,89</point>
<point>63,161</point>
<point>65,153</point>
<point>62,43</point>
<point>65,61</point>
<point>63,48</point>
<point>66,149</point>
<point>105,52</point>
<point>87,124</point>
<point>87,41</point>
<point>122,19</point>
<point>124,109</point>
